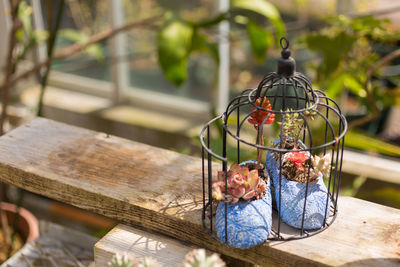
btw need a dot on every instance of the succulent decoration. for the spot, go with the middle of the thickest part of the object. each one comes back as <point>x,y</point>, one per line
<point>199,258</point>
<point>242,184</point>
<point>122,260</point>
<point>293,126</point>
<point>298,165</point>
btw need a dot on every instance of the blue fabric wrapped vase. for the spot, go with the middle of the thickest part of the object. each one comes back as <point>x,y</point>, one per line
<point>292,199</point>
<point>248,223</point>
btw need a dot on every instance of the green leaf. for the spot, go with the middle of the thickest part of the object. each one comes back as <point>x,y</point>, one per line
<point>173,46</point>
<point>39,36</point>
<point>24,15</point>
<point>73,35</point>
<point>363,141</point>
<point>266,9</point>
<point>201,42</point>
<point>354,86</point>
<point>94,50</point>
<point>260,40</point>
<point>212,22</point>
<point>332,50</point>
<point>19,35</point>
<point>335,86</point>
<point>345,81</point>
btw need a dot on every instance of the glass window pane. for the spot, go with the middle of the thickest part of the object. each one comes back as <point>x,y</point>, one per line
<point>82,19</point>
<point>144,70</point>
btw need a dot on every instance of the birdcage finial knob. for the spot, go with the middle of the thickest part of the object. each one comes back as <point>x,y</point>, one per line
<point>286,64</point>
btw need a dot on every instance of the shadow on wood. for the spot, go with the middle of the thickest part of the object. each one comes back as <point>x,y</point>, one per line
<point>161,190</point>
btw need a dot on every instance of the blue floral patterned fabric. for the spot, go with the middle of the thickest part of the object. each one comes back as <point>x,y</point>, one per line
<point>292,201</point>
<point>248,223</point>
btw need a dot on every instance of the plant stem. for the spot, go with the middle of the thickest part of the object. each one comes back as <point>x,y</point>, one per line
<point>14,5</point>
<point>50,48</point>
<point>259,150</point>
<point>49,9</point>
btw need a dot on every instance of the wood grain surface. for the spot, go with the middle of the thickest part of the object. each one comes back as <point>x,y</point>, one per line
<point>161,190</point>
<point>127,240</point>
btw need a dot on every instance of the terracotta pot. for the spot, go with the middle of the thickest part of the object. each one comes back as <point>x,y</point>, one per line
<point>28,226</point>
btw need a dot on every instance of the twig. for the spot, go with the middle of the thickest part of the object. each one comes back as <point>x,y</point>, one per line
<point>364,119</point>
<point>9,65</point>
<point>79,47</point>
<point>383,61</point>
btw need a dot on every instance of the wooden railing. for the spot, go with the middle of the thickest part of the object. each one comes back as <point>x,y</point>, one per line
<point>160,191</point>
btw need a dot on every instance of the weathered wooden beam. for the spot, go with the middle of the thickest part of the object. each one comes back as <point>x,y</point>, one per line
<point>161,190</point>
<point>371,166</point>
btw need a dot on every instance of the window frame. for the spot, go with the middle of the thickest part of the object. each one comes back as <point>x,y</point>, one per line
<point>120,91</point>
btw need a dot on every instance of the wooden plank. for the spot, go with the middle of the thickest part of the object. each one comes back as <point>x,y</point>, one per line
<point>140,244</point>
<point>161,190</point>
<point>371,166</point>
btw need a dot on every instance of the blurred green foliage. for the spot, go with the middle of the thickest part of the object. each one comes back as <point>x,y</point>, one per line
<point>348,47</point>
<point>26,36</point>
<point>352,54</point>
<point>348,50</point>
<point>179,37</point>
<point>367,142</point>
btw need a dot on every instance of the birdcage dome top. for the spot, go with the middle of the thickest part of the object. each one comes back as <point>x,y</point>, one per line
<point>281,93</point>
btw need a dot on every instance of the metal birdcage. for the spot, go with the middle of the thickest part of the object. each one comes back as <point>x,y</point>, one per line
<point>231,137</point>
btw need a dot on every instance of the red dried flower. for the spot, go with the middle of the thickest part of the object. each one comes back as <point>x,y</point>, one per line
<point>259,116</point>
<point>298,158</point>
